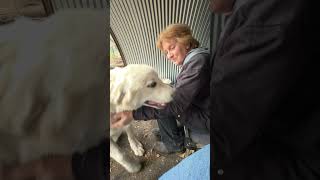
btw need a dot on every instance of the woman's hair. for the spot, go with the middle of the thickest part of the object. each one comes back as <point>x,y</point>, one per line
<point>179,32</point>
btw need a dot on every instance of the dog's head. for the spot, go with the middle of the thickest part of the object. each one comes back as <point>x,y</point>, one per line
<point>136,85</point>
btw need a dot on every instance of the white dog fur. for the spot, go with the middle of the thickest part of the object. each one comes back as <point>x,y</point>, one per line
<point>52,85</point>
<point>130,88</point>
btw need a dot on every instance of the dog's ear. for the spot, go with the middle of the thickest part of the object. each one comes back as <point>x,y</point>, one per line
<point>123,95</point>
<point>122,90</point>
<point>119,97</point>
<point>128,96</point>
<point>117,93</point>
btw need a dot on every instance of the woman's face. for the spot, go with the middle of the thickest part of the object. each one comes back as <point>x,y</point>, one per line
<point>175,51</point>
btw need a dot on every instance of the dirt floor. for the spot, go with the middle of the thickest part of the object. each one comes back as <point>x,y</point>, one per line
<point>154,164</point>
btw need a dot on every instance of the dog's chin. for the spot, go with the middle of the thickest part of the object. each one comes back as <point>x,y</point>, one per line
<point>155,104</point>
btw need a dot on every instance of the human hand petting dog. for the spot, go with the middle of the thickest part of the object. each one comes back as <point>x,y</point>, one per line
<point>118,120</point>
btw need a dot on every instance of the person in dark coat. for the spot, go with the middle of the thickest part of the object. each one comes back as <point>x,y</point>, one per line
<point>264,94</point>
<point>190,100</point>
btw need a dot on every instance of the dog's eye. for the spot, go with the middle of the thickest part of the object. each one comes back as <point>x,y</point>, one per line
<point>152,85</point>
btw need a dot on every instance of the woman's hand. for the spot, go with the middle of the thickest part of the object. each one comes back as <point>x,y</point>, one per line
<point>118,120</point>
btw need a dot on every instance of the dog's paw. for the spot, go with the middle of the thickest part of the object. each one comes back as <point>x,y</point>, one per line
<point>138,149</point>
<point>134,167</point>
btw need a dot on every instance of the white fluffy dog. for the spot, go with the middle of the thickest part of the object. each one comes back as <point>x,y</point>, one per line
<point>52,85</point>
<point>130,88</point>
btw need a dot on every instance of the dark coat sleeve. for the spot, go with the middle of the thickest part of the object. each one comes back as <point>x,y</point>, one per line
<point>92,164</point>
<point>264,93</point>
<point>251,81</point>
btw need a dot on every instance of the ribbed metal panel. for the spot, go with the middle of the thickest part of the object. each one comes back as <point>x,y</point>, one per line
<point>137,23</point>
<point>60,4</point>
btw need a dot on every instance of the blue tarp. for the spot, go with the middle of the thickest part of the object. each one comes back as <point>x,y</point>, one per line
<point>194,167</point>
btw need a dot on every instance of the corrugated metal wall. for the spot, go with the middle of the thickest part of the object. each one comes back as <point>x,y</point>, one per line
<point>58,4</point>
<point>137,23</point>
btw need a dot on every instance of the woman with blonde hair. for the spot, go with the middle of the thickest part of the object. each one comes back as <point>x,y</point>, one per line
<point>190,100</point>
<point>176,41</point>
